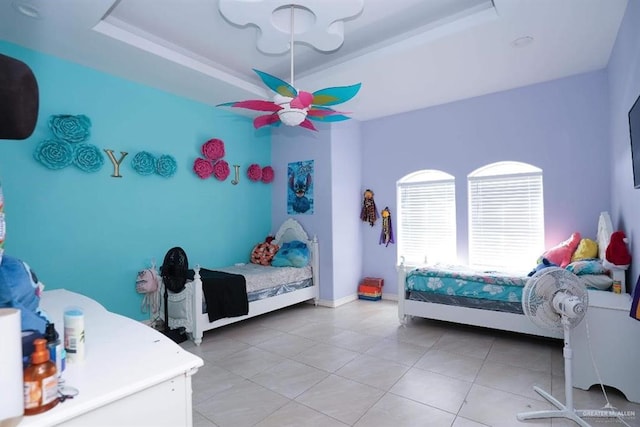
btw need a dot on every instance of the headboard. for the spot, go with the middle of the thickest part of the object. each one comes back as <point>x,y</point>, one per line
<point>605,229</point>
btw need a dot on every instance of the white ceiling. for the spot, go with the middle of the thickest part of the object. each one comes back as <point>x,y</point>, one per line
<point>408,54</point>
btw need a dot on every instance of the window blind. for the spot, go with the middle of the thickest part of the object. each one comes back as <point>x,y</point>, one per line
<point>427,221</point>
<point>506,219</point>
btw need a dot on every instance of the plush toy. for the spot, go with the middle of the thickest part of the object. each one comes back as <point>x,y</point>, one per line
<point>369,213</point>
<point>561,253</point>
<point>544,263</point>
<point>617,252</point>
<point>21,289</point>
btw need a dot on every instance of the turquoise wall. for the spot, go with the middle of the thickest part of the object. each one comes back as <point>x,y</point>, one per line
<point>90,232</point>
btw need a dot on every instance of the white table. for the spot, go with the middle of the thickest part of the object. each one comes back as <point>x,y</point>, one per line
<point>614,338</point>
<point>131,375</point>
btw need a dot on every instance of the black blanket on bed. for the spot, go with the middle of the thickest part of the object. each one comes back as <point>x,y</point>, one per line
<point>224,293</point>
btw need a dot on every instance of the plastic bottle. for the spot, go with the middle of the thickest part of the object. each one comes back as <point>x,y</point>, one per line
<point>54,344</point>
<point>40,381</point>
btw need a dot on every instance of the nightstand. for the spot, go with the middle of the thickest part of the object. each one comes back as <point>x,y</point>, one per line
<point>614,338</point>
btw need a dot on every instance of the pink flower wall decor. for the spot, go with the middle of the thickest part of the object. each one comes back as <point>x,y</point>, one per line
<point>213,149</point>
<point>203,168</point>
<point>221,170</point>
<point>254,172</point>
<point>267,174</point>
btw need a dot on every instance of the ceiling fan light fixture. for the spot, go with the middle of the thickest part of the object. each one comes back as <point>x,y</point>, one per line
<point>292,116</point>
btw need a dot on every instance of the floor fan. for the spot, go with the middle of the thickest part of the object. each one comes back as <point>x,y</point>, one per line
<point>555,298</point>
<point>174,272</point>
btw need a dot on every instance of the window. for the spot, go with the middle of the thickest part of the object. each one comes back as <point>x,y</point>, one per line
<point>426,217</point>
<point>506,216</point>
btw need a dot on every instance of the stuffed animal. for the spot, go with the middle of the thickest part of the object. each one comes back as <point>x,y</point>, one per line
<point>617,252</point>
<point>544,263</point>
<point>561,253</point>
<point>21,289</point>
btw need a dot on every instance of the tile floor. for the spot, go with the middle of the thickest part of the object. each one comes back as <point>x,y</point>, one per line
<point>355,365</point>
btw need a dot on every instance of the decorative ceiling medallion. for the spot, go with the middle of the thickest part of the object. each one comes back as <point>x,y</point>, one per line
<point>318,23</point>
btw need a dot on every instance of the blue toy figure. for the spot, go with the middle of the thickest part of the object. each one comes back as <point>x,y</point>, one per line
<point>20,288</point>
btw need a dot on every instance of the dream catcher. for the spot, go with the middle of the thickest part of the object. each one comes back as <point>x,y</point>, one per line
<point>369,213</point>
<point>386,235</point>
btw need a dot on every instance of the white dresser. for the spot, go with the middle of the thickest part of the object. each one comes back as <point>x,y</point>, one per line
<point>131,375</point>
<point>614,338</point>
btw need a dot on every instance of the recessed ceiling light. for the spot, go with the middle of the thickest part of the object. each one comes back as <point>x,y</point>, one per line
<point>522,41</point>
<point>26,9</point>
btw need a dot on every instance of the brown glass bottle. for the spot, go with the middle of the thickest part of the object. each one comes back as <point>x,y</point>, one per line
<point>40,381</point>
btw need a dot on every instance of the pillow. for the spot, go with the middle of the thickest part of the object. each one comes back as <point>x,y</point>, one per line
<point>292,254</point>
<point>597,281</point>
<point>263,253</point>
<point>587,266</point>
<point>586,249</point>
<point>561,253</point>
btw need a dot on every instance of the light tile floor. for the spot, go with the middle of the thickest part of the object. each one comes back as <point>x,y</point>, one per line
<point>355,365</point>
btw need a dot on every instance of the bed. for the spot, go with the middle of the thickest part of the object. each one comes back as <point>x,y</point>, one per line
<point>460,294</point>
<point>268,288</point>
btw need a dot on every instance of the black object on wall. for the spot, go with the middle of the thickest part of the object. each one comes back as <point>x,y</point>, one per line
<point>19,99</point>
<point>634,133</point>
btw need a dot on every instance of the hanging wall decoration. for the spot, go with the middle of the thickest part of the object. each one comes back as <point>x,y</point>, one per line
<point>300,188</point>
<point>267,174</point>
<point>369,213</point>
<point>69,146</point>
<point>254,172</point>
<point>386,235</point>
<point>145,163</point>
<point>116,163</point>
<point>212,164</point>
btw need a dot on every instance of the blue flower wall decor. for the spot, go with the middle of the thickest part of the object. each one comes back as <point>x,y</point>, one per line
<point>144,163</point>
<point>70,128</point>
<point>88,158</point>
<point>54,154</point>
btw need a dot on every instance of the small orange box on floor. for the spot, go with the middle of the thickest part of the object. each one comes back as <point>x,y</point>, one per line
<point>370,288</point>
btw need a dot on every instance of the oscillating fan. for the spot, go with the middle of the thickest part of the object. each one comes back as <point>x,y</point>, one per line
<point>554,298</point>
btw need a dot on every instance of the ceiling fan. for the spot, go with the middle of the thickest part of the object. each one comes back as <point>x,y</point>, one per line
<point>289,105</point>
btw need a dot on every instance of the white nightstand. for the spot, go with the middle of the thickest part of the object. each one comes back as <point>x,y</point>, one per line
<point>615,342</point>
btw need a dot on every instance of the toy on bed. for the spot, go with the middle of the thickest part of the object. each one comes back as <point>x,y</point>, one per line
<point>268,287</point>
<point>21,289</point>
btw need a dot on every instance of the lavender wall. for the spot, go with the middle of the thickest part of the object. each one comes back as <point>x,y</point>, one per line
<point>560,126</point>
<point>293,145</point>
<point>346,194</point>
<point>624,85</point>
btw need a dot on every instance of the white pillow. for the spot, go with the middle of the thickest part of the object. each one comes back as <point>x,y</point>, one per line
<point>597,281</point>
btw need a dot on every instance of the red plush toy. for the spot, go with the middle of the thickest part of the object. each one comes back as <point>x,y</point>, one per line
<point>617,252</point>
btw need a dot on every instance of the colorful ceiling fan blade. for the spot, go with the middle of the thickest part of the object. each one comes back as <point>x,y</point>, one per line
<point>255,104</point>
<point>266,120</point>
<point>275,84</point>
<point>303,100</point>
<point>335,95</point>
<point>326,114</point>
<point>308,125</point>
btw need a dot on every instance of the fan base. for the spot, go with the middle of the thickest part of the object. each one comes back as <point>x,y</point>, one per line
<point>562,412</point>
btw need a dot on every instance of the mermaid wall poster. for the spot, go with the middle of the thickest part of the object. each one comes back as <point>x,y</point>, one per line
<point>300,188</point>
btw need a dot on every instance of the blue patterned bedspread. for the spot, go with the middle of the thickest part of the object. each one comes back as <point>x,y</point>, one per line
<point>455,280</point>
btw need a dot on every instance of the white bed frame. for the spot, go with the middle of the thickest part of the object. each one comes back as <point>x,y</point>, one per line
<point>489,318</point>
<point>196,323</point>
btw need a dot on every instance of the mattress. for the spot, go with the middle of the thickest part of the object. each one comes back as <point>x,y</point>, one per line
<point>262,277</point>
<point>464,286</point>
<point>265,281</point>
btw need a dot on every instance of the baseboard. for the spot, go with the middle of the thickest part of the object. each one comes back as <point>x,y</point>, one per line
<point>338,302</point>
<point>349,298</point>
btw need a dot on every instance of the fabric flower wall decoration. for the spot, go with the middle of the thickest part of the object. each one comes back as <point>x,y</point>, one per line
<point>221,170</point>
<point>213,149</point>
<point>70,128</point>
<point>203,168</point>
<point>254,172</point>
<point>54,154</point>
<point>166,166</point>
<point>144,163</point>
<point>267,174</point>
<point>87,157</point>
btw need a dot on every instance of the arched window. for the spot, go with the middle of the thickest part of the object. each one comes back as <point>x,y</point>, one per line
<point>506,216</point>
<point>426,227</point>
